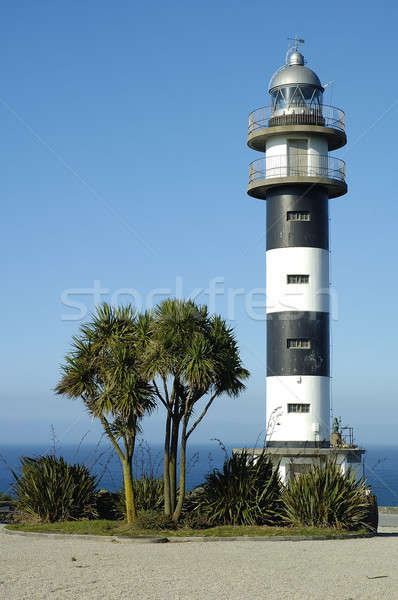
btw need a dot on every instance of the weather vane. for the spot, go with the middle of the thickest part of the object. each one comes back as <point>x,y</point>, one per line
<point>296,41</point>
<point>293,48</point>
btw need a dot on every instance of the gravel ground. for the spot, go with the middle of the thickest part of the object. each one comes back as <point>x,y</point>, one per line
<point>38,568</point>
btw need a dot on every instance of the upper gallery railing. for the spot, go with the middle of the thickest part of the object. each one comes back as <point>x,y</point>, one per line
<point>305,114</point>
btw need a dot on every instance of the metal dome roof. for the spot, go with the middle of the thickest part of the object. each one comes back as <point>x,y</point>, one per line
<point>294,73</point>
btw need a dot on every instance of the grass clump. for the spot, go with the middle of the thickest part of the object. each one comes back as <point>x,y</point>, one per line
<point>326,497</point>
<point>49,489</point>
<point>245,492</point>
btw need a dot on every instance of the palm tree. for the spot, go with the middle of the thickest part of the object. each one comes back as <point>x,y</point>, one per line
<point>104,369</point>
<point>190,357</point>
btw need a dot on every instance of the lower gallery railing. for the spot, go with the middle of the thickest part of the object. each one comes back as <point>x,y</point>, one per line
<point>298,165</point>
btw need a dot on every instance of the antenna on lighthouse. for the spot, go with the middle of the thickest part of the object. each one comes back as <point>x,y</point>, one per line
<point>294,47</point>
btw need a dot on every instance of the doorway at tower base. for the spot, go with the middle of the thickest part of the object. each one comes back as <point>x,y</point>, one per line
<point>294,461</point>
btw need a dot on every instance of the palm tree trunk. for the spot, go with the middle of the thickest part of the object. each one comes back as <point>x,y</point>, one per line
<point>126,459</point>
<point>173,462</point>
<point>166,467</point>
<point>183,455</point>
<point>131,513</point>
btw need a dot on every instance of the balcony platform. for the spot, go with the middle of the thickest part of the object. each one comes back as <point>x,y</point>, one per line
<point>260,187</point>
<point>307,169</point>
<point>257,139</point>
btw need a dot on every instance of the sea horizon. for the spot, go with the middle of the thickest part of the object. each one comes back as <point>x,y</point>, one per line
<point>380,463</point>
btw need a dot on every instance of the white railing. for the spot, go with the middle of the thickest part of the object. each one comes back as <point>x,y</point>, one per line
<point>305,114</point>
<point>298,165</point>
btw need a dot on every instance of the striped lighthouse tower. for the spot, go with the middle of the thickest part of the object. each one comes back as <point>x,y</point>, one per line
<point>296,176</point>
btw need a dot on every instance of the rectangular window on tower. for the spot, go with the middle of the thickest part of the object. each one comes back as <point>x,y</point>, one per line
<point>298,278</point>
<point>298,344</point>
<point>298,215</point>
<point>298,408</point>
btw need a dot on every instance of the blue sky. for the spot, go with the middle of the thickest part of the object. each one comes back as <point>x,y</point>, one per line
<point>123,161</point>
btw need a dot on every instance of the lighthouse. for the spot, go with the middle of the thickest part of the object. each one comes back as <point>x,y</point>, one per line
<point>296,175</point>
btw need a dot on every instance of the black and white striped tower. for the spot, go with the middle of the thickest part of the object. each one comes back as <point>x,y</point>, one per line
<point>296,176</point>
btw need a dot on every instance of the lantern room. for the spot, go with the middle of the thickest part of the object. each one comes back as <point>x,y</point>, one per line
<point>295,86</point>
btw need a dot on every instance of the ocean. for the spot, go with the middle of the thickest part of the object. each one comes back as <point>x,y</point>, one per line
<point>380,464</point>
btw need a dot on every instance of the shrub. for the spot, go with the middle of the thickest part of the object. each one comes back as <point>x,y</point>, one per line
<point>50,489</point>
<point>245,492</point>
<point>326,497</point>
<point>152,519</point>
<point>195,520</point>
<point>372,518</point>
<point>108,505</point>
<point>148,494</point>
